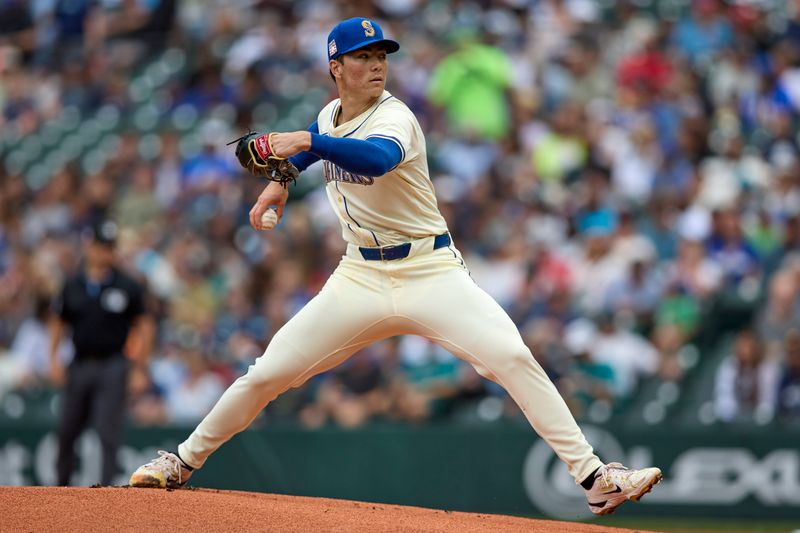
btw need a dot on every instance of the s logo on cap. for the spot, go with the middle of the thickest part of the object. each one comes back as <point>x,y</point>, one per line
<point>354,33</point>
<point>369,31</point>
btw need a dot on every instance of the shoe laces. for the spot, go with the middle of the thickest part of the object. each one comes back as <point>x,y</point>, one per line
<point>605,472</point>
<point>172,460</point>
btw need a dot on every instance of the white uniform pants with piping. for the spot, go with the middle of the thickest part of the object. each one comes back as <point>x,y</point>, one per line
<point>429,293</point>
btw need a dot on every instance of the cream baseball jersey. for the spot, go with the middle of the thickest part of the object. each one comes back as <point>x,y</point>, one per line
<point>400,205</point>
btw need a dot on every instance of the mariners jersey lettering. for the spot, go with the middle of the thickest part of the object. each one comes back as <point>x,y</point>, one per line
<point>335,173</point>
<point>400,205</point>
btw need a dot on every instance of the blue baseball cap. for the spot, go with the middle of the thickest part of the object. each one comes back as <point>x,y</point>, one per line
<point>355,33</point>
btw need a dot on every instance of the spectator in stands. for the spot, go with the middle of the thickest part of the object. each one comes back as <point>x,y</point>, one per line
<point>470,83</point>
<point>637,293</point>
<point>631,245</point>
<point>353,394</point>
<point>791,237</point>
<point>210,170</point>
<point>703,33</point>
<point>693,273</point>
<point>789,385</point>
<point>779,315</point>
<point>593,268</point>
<point>561,152</point>
<point>50,212</point>
<point>630,356</point>
<point>197,393</point>
<point>17,25</point>
<point>677,319</point>
<point>586,380</point>
<point>731,252</point>
<point>32,344</point>
<point>137,205</point>
<point>78,26</point>
<point>648,66</point>
<point>764,235</point>
<point>658,225</point>
<point>746,383</point>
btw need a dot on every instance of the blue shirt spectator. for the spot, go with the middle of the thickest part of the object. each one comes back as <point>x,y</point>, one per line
<point>703,33</point>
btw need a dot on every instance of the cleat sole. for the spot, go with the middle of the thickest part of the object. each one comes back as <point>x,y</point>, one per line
<point>647,488</point>
<point>146,481</point>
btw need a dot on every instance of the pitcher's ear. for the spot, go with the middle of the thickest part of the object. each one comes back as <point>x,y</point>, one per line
<point>335,67</point>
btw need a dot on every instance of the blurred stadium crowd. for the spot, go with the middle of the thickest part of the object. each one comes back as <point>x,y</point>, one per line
<point>623,177</point>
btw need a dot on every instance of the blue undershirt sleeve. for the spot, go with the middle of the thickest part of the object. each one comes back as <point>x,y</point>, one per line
<point>303,160</point>
<point>371,157</point>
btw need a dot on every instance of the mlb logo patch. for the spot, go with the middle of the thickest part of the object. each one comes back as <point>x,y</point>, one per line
<point>331,48</point>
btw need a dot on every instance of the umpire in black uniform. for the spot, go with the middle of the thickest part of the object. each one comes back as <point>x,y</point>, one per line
<point>102,306</point>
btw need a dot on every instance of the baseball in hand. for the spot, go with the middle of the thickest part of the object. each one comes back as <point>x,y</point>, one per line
<point>269,219</point>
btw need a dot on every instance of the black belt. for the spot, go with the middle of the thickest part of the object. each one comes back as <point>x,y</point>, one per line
<point>92,356</point>
<point>399,251</point>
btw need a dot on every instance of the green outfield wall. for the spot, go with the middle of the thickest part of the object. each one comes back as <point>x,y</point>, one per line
<point>498,469</point>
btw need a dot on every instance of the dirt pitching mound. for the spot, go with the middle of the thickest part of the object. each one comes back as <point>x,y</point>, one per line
<point>65,509</point>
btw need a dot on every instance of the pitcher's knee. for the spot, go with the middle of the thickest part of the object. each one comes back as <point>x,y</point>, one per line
<point>262,375</point>
<point>276,369</point>
<point>516,359</point>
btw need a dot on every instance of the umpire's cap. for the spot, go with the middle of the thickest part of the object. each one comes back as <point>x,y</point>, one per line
<point>103,232</point>
<point>355,33</point>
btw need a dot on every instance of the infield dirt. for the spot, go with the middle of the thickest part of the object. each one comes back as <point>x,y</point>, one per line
<point>72,509</point>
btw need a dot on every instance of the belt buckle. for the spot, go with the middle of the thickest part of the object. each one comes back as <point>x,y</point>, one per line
<point>387,250</point>
<point>384,250</point>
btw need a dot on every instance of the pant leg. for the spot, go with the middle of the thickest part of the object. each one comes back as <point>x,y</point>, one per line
<point>108,408</point>
<point>447,307</point>
<point>75,408</point>
<point>351,311</point>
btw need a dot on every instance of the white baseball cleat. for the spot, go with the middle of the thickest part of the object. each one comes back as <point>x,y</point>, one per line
<point>614,483</point>
<point>167,471</point>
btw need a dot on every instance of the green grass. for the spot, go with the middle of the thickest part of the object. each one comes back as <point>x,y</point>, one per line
<point>701,525</point>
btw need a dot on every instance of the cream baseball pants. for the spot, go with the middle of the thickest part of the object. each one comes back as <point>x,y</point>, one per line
<point>428,293</point>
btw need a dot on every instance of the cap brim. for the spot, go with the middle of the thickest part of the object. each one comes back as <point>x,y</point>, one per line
<point>390,46</point>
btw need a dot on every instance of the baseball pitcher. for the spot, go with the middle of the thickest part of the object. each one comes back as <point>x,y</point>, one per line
<point>401,274</point>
